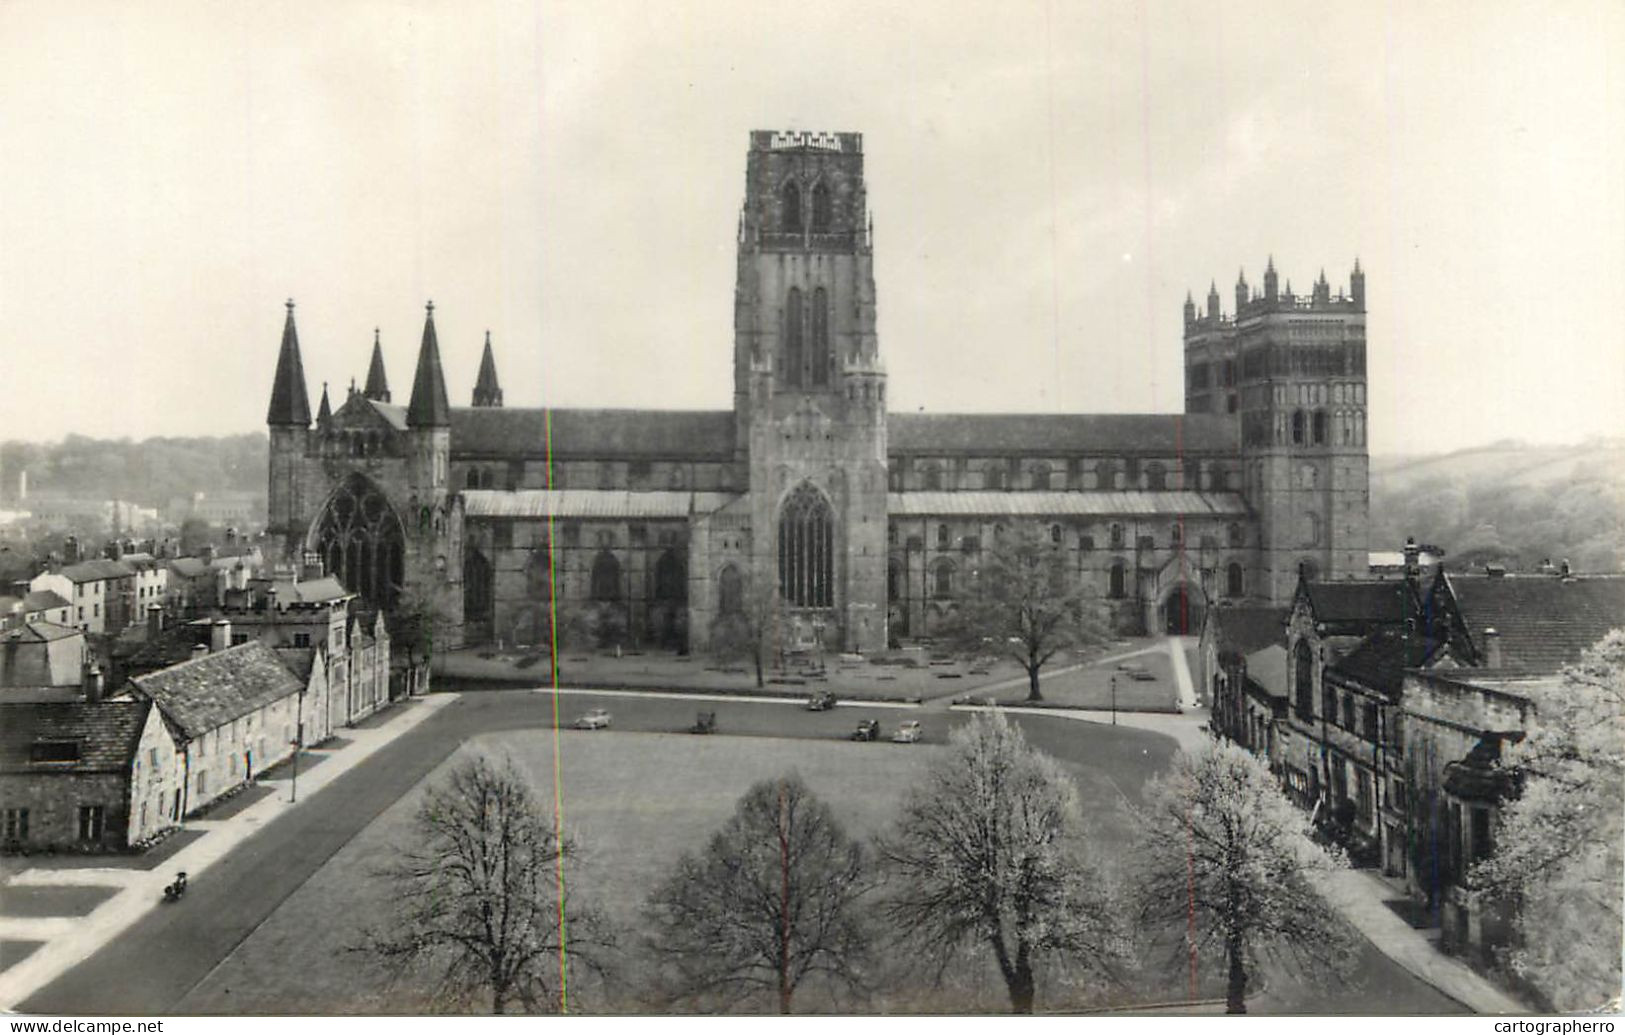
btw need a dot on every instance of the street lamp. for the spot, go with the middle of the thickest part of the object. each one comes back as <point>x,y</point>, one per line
<point>1114,700</point>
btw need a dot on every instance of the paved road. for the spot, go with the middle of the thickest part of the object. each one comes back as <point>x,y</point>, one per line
<point>151,967</point>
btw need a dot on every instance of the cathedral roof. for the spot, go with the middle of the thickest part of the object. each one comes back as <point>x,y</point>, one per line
<point>428,408</point>
<point>1049,434</point>
<point>489,431</point>
<point>590,503</point>
<point>290,403</point>
<point>1064,504</point>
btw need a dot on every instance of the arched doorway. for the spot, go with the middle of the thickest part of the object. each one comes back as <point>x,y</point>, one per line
<point>670,597</point>
<point>1182,611</point>
<point>361,541</point>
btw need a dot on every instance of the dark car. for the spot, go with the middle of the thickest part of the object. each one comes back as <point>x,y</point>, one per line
<point>868,729</point>
<point>821,701</point>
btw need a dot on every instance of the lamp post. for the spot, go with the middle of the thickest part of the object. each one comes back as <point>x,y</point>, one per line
<point>1114,700</point>
<point>298,742</point>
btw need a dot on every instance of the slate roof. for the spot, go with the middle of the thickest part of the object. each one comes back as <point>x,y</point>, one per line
<point>1379,661</point>
<point>393,414</point>
<point>1050,434</point>
<point>489,431</point>
<point>1244,630</point>
<point>1544,622</point>
<point>1266,669</point>
<point>310,591</point>
<point>189,567</point>
<point>40,632</point>
<point>43,600</point>
<point>96,571</point>
<point>299,661</point>
<point>214,689</point>
<point>1063,504</point>
<point>1340,602</point>
<point>107,733</point>
<point>589,503</point>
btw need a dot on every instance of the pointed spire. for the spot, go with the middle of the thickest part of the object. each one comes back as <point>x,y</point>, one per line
<point>1269,266</point>
<point>290,403</point>
<point>487,392</point>
<point>324,412</point>
<point>377,384</point>
<point>428,408</point>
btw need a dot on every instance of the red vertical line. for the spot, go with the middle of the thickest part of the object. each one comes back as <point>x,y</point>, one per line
<point>558,775</point>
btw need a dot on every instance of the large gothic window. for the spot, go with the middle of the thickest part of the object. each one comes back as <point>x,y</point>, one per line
<point>820,337</point>
<point>361,541</point>
<point>806,549</point>
<point>793,350</point>
<point>821,209</point>
<point>606,577</point>
<point>477,584</point>
<point>792,208</point>
<point>1303,666</point>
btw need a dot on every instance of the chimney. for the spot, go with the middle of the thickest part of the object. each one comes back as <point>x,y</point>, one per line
<point>199,650</point>
<point>207,553</point>
<point>1492,649</point>
<point>219,635</point>
<point>93,683</point>
<point>155,622</point>
<point>270,598</point>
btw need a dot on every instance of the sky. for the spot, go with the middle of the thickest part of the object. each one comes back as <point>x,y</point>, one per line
<point>1047,180</point>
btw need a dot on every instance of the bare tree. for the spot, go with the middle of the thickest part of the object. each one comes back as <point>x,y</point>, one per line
<point>989,855</point>
<point>748,632</point>
<point>1023,600</point>
<point>771,902</point>
<point>1560,850</point>
<point>1224,855</point>
<point>482,897</point>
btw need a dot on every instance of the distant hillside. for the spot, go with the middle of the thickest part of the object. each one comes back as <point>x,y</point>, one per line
<point>1507,503</point>
<point>151,472</point>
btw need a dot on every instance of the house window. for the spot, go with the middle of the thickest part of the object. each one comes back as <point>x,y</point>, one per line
<point>1234,581</point>
<point>944,582</point>
<point>1368,721</point>
<point>1297,427</point>
<point>15,826</point>
<point>301,639</point>
<point>92,822</point>
<point>54,751</point>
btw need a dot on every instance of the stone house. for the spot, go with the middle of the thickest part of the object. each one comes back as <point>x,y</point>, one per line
<point>65,773</point>
<point>101,593</point>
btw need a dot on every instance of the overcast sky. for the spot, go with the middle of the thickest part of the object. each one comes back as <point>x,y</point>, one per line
<point>1047,180</point>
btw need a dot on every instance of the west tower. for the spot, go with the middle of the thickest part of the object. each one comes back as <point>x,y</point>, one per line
<point>1292,370</point>
<point>810,390</point>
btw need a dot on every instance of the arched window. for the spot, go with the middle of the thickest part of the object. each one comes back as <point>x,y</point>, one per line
<point>820,337</point>
<point>1176,534</point>
<point>791,212</point>
<point>942,537</point>
<point>1303,678</point>
<point>1320,427</point>
<point>1311,528</point>
<point>1115,583</point>
<point>1117,537</point>
<point>1233,583</point>
<point>806,549</point>
<point>793,351</point>
<point>606,577</point>
<point>730,591</point>
<point>1055,534</point>
<point>822,210</point>
<point>1297,427</point>
<point>671,577</point>
<point>476,586</point>
<point>362,541</point>
<point>1237,536</point>
<point>942,581</point>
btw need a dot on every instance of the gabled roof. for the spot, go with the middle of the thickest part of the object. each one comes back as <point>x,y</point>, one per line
<point>326,589</point>
<point>106,732</point>
<point>506,431</point>
<point>1379,661</point>
<point>1041,504</point>
<point>1244,630</point>
<point>1545,622</point>
<point>290,403</point>
<point>39,632</point>
<point>96,571</point>
<point>428,408</point>
<point>1358,602</point>
<point>1052,434</point>
<point>209,691</point>
<point>43,600</point>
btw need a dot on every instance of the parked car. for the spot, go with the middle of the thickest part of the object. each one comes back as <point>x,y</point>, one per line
<point>596,719</point>
<point>868,729</point>
<point>907,733</point>
<point>821,701</point>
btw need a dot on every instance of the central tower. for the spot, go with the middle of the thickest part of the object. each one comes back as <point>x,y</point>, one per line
<point>810,391</point>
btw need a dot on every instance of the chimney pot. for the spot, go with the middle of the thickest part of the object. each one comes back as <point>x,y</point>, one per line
<point>220,635</point>
<point>1492,648</point>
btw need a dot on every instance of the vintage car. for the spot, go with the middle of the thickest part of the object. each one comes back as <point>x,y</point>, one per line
<point>820,701</point>
<point>596,719</point>
<point>868,729</point>
<point>907,733</point>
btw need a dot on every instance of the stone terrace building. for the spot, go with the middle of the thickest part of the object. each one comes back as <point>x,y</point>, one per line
<point>861,526</point>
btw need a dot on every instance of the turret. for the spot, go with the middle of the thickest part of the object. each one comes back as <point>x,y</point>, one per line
<point>1357,286</point>
<point>289,420</point>
<point>324,412</point>
<point>428,408</point>
<point>377,388</point>
<point>1323,290</point>
<point>1270,293</point>
<point>1213,300</point>
<point>1190,309</point>
<point>487,392</point>
<point>1241,292</point>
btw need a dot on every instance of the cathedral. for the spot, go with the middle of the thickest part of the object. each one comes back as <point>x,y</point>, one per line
<point>809,510</point>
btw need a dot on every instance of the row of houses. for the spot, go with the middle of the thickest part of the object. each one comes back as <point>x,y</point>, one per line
<point>103,596</point>
<point>1385,707</point>
<point>192,711</point>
